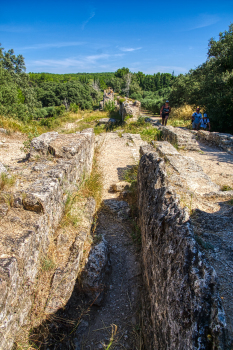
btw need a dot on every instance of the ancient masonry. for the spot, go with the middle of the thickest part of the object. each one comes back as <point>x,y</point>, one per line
<point>186,254</point>
<point>108,97</point>
<point>187,139</point>
<point>30,215</point>
<point>125,106</point>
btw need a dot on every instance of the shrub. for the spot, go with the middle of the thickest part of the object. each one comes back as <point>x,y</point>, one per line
<point>109,106</point>
<point>74,108</point>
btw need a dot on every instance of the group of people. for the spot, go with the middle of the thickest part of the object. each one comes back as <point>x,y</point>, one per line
<point>200,122</point>
<point>197,120</point>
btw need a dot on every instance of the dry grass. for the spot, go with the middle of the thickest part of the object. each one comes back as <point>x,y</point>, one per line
<point>6,181</point>
<point>91,186</point>
<point>181,116</point>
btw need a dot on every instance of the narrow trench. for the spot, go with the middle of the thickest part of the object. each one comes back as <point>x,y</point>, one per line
<point>112,320</point>
<point>115,322</point>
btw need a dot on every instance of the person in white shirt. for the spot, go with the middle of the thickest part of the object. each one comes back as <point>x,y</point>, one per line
<point>205,122</point>
<point>196,119</point>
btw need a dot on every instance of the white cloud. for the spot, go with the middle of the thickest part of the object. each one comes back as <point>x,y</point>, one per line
<point>85,23</point>
<point>51,45</point>
<point>205,20</point>
<point>83,62</point>
<point>129,49</point>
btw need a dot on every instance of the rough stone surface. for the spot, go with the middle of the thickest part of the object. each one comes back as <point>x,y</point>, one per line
<point>185,310</point>
<point>180,137</point>
<point>28,228</point>
<point>121,186</point>
<point>65,276</point>
<point>94,275</point>
<point>120,208</point>
<point>40,144</point>
<point>129,107</point>
<point>4,131</point>
<point>105,121</point>
<point>223,141</point>
<point>2,169</point>
<point>190,173</point>
<point>107,97</point>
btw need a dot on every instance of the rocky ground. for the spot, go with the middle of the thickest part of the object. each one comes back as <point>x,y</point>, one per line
<point>115,322</point>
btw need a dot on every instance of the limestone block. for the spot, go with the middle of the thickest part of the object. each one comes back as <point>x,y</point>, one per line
<point>164,148</point>
<point>93,278</point>
<point>105,121</point>
<point>39,145</point>
<point>182,303</point>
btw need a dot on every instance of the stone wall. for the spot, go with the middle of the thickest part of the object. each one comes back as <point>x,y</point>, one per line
<point>131,108</point>
<point>107,97</point>
<point>223,141</point>
<point>29,228</point>
<point>182,304</point>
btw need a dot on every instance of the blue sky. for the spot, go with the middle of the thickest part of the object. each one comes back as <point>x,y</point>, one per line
<point>102,36</point>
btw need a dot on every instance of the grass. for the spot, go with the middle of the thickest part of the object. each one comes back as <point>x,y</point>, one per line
<point>226,188</point>
<point>6,181</point>
<point>91,186</point>
<point>146,130</point>
<point>181,116</point>
<point>47,264</point>
<point>114,332</point>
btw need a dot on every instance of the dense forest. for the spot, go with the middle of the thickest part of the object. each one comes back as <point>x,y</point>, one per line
<point>28,96</point>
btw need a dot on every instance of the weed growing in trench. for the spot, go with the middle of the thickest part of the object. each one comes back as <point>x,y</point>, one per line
<point>226,188</point>
<point>6,181</point>
<point>90,186</point>
<point>47,264</point>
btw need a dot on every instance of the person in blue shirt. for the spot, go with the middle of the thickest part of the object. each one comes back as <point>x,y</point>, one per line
<point>196,119</point>
<point>205,122</point>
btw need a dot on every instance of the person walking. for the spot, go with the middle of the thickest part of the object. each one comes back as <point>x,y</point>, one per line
<point>196,119</point>
<point>164,112</point>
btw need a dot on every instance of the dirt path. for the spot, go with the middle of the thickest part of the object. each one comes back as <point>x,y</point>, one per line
<point>118,317</point>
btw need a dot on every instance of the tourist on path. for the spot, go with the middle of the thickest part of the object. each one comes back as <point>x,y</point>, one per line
<point>196,119</point>
<point>205,122</point>
<point>164,112</point>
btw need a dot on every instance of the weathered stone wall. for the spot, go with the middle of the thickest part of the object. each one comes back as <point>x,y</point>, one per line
<point>34,210</point>
<point>180,137</point>
<point>129,107</point>
<point>221,140</point>
<point>107,97</point>
<point>184,308</point>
